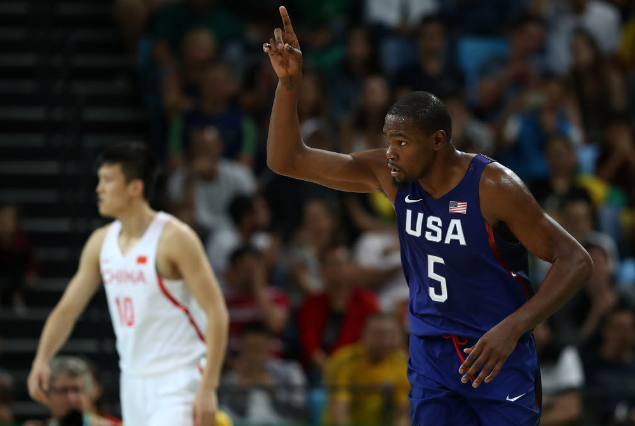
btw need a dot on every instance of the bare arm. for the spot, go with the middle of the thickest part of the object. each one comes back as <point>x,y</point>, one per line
<point>506,200</point>
<point>286,152</point>
<point>60,322</point>
<point>186,251</point>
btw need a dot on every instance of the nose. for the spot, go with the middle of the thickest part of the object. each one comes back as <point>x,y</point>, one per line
<point>390,152</point>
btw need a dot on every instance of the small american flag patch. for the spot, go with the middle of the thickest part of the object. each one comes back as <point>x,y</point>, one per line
<point>458,207</point>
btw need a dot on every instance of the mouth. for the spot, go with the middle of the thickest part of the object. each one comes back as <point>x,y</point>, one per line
<point>394,171</point>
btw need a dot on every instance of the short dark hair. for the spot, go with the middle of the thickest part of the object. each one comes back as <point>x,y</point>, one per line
<point>427,112</point>
<point>240,252</point>
<point>575,195</point>
<point>241,206</point>
<point>137,161</point>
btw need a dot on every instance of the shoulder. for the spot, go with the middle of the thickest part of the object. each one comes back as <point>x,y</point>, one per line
<point>97,238</point>
<point>348,355</point>
<point>497,178</point>
<point>178,235</point>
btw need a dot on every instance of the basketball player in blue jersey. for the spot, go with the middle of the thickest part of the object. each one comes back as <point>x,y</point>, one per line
<point>465,225</point>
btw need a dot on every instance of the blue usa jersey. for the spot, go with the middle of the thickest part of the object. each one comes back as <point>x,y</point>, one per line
<point>464,278</point>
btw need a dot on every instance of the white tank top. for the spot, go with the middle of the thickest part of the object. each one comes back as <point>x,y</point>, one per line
<point>158,323</point>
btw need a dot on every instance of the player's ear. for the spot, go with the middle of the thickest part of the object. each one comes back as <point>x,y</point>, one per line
<point>440,139</point>
<point>136,186</point>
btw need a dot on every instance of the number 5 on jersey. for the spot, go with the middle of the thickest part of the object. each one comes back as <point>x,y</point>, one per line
<point>126,311</point>
<point>431,274</point>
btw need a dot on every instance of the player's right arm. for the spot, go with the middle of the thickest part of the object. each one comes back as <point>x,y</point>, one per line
<point>287,154</point>
<point>60,322</point>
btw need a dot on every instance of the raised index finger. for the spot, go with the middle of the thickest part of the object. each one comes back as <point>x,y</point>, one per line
<point>286,21</point>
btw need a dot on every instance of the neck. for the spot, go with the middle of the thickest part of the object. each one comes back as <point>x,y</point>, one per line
<point>339,297</point>
<point>135,220</point>
<point>445,173</point>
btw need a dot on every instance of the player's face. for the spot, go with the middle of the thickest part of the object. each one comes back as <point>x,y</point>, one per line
<point>409,152</point>
<point>113,192</point>
<point>66,393</point>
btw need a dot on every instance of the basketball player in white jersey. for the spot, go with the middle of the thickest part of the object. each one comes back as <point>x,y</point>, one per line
<point>166,306</point>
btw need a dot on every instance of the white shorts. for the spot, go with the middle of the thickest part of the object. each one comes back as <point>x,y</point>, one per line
<point>161,400</point>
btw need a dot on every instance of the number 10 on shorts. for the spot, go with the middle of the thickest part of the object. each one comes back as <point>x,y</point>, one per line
<point>126,311</point>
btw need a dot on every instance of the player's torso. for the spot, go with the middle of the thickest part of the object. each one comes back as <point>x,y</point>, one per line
<point>458,269</point>
<point>156,320</point>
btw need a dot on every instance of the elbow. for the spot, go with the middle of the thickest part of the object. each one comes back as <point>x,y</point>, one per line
<point>582,264</point>
<point>274,166</point>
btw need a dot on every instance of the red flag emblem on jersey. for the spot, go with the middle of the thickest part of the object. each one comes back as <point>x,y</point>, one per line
<point>458,207</point>
<point>142,260</point>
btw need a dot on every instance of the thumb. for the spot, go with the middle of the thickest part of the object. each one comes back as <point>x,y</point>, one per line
<point>468,350</point>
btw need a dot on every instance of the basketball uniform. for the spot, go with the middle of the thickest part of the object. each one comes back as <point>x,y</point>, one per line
<point>159,329</point>
<point>464,279</point>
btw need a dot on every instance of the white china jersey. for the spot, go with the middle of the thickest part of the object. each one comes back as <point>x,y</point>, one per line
<point>158,323</point>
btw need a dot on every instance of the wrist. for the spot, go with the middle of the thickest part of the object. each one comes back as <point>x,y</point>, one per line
<point>40,361</point>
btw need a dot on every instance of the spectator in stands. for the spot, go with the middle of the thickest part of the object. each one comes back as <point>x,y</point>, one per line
<point>576,215</point>
<point>435,69</point>
<point>469,134</point>
<point>133,16</point>
<point>261,389</point>
<point>562,378</point>
<point>70,387</point>
<point>334,318</point>
<point>201,190</point>
<point>98,402</point>
<point>616,163</point>
<point>610,370</point>
<point>237,131</point>
<point>480,18</point>
<point>578,322</point>
<point>503,78</point>
<point>250,299</point>
<point>562,163</point>
<point>378,250</point>
<point>361,60</point>
<point>367,380</point>
<point>181,86</point>
<point>251,219</point>
<point>528,124</point>
<point>598,85</point>
<point>18,263</point>
<point>599,18</point>
<point>319,231</point>
<point>364,129</point>
<point>176,19</point>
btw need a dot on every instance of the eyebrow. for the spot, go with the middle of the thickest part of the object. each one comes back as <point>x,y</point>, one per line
<point>395,133</point>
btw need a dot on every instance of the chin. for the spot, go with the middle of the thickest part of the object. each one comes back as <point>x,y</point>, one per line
<point>401,184</point>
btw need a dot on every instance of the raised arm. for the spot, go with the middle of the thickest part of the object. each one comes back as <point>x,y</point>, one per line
<point>286,152</point>
<point>60,322</point>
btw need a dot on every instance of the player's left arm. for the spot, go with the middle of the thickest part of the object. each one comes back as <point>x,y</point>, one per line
<point>506,200</point>
<point>185,250</point>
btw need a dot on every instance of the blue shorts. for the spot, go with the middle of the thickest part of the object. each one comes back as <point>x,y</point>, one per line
<point>438,398</point>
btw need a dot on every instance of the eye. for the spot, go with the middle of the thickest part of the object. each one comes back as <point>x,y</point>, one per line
<point>401,143</point>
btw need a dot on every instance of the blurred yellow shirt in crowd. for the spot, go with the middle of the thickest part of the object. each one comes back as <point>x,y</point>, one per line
<point>350,368</point>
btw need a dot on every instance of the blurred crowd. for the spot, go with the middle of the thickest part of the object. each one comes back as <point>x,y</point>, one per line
<point>312,276</point>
